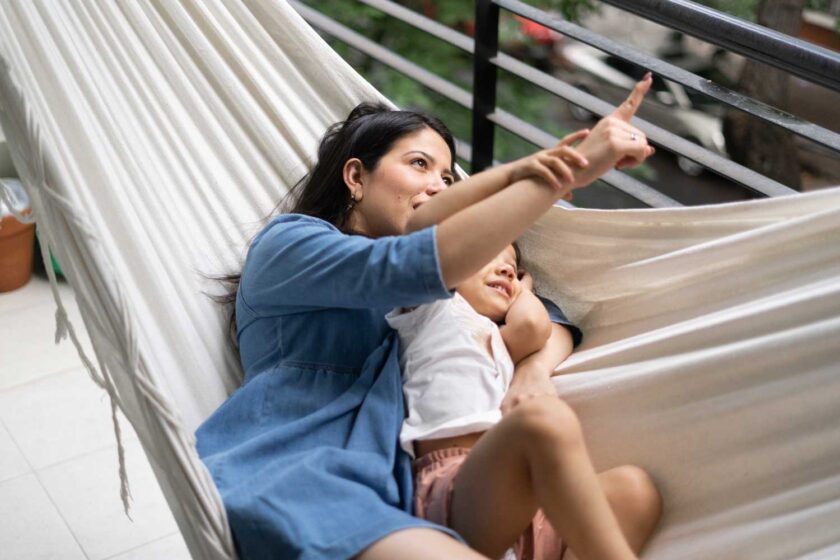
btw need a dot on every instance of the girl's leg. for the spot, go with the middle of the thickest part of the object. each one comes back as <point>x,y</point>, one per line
<point>419,544</point>
<point>535,457</point>
<point>635,501</point>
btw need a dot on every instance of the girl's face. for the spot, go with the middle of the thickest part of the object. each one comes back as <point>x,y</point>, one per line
<point>492,290</point>
<point>417,167</point>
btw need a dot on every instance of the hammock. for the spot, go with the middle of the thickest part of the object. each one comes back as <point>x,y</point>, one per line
<point>152,137</point>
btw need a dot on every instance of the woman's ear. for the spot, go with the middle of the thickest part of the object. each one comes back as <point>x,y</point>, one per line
<point>353,174</point>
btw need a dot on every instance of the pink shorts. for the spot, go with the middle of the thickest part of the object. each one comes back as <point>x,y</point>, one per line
<point>433,486</point>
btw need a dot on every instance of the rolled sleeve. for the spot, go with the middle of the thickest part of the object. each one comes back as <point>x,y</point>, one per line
<point>557,316</point>
<point>299,263</point>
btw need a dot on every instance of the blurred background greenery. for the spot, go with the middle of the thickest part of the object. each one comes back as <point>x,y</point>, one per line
<point>526,101</point>
<point>534,45</point>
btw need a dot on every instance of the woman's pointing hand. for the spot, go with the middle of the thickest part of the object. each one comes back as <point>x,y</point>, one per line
<point>614,142</point>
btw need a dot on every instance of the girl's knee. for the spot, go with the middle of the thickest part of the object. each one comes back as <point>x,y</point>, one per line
<point>547,421</point>
<point>636,491</point>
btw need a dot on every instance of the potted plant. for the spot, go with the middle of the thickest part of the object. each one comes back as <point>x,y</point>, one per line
<point>17,239</point>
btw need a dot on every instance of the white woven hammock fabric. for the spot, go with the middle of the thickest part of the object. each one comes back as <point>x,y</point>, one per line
<point>152,138</point>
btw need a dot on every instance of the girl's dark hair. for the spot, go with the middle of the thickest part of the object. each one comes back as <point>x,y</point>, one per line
<point>369,132</point>
<point>518,253</point>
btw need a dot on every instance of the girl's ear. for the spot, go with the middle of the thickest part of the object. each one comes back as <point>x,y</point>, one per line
<point>353,174</point>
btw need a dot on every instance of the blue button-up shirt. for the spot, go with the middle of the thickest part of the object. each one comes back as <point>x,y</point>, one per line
<point>305,454</point>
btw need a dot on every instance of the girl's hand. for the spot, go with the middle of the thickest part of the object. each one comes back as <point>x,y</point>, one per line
<point>528,383</point>
<point>554,166</point>
<point>614,142</point>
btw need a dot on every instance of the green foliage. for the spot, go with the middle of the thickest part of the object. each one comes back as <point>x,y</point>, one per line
<point>524,100</point>
<point>572,10</point>
<point>514,95</point>
<point>746,9</point>
<point>819,5</point>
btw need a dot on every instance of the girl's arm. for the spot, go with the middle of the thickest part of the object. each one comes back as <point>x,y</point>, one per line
<point>532,377</point>
<point>472,236</point>
<point>527,323</point>
<point>458,196</point>
<point>550,165</point>
<point>527,326</point>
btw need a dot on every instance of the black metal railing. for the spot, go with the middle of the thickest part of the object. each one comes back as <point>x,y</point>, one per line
<point>776,49</point>
<point>798,57</point>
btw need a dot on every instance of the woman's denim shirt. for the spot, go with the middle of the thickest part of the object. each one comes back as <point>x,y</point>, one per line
<point>305,453</point>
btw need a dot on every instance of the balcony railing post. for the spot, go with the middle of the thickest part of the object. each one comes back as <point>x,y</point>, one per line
<point>484,83</point>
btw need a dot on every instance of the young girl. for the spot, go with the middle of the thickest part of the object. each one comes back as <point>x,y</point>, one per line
<point>457,357</point>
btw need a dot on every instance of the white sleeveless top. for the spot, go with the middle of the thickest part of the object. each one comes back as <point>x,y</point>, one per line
<point>455,367</point>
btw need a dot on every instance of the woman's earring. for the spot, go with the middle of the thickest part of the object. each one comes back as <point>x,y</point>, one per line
<point>352,202</point>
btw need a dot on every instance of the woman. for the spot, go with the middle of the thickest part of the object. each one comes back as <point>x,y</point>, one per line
<point>305,453</point>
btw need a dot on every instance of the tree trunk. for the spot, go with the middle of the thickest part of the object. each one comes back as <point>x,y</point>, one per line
<point>759,145</point>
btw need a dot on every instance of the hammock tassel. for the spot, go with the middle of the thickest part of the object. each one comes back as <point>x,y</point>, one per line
<point>61,322</point>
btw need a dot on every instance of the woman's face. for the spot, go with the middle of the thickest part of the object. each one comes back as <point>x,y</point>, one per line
<point>417,167</point>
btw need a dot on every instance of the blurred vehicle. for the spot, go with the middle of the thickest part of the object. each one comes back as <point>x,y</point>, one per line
<point>669,105</point>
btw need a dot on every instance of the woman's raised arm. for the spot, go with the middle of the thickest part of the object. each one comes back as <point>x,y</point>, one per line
<point>555,166</point>
<point>472,236</point>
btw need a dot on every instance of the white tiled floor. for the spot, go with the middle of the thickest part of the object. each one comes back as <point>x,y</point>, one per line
<point>59,485</point>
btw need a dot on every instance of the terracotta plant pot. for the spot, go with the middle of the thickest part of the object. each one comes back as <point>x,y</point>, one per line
<point>17,242</point>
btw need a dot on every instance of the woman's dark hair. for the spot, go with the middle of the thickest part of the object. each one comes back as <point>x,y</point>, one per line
<point>369,132</point>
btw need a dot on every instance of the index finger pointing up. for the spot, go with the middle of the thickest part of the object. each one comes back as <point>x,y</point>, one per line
<point>626,110</point>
